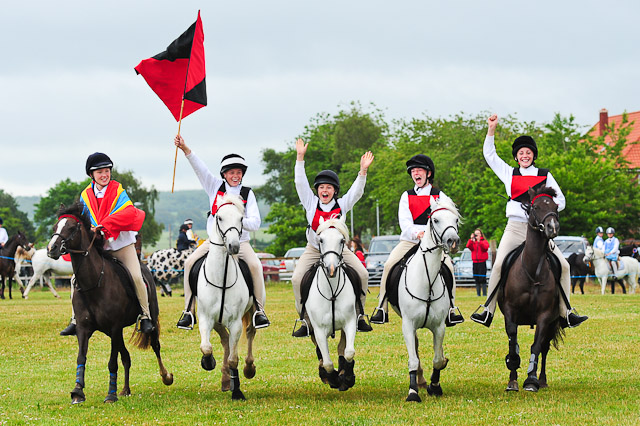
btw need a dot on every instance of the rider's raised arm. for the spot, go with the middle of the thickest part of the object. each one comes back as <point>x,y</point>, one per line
<point>497,164</point>
<point>210,182</point>
<point>306,195</point>
<point>559,198</point>
<point>356,190</point>
<point>251,221</point>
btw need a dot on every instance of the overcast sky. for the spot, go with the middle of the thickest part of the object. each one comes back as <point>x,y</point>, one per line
<point>68,87</point>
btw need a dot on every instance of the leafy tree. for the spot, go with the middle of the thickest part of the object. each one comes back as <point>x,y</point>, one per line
<point>68,192</point>
<point>288,225</point>
<point>14,219</point>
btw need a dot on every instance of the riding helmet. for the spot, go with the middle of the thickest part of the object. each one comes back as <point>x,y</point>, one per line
<point>423,162</point>
<point>96,161</point>
<point>610,230</point>
<point>327,176</point>
<point>188,222</point>
<point>524,142</point>
<point>599,229</point>
<point>184,227</point>
<point>232,161</point>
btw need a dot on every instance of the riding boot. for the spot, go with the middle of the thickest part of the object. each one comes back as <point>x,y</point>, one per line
<point>380,315</point>
<point>187,321</point>
<point>70,330</point>
<point>484,318</point>
<point>363,325</point>
<point>260,320</point>
<point>303,331</point>
<point>453,317</point>
<point>572,319</point>
<point>145,325</point>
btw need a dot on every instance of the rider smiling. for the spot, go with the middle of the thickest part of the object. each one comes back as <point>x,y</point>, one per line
<point>517,181</point>
<point>232,170</point>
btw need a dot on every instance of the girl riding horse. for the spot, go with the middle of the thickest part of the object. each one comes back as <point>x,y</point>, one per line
<point>114,215</point>
<point>325,205</point>
<point>517,181</point>
<point>232,169</point>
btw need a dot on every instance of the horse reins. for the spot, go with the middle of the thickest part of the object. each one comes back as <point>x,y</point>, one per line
<point>538,226</point>
<point>336,293</point>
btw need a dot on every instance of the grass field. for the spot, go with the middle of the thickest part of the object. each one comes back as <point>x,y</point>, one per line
<point>593,379</point>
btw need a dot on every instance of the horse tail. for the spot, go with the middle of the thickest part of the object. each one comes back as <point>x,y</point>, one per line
<point>557,334</point>
<point>143,341</point>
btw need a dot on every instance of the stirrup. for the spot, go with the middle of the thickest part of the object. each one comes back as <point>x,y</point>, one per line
<point>385,316</point>
<point>366,320</point>
<point>304,322</point>
<point>452,312</point>
<point>253,320</point>
<point>183,316</point>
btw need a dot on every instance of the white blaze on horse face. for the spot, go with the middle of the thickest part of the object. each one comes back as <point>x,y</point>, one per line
<point>56,235</point>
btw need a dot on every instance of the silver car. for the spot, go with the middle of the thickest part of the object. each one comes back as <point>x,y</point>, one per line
<point>463,268</point>
<point>288,265</point>
<point>379,250</point>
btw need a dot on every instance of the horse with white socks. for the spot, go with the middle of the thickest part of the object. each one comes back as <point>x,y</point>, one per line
<point>422,294</point>
<point>628,273</point>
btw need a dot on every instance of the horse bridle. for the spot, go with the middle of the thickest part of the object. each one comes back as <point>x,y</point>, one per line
<point>224,234</point>
<point>63,247</point>
<point>539,224</point>
<point>339,288</point>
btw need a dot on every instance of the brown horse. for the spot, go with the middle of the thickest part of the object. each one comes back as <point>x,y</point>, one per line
<point>104,299</point>
<point>7,263</point>
<point>530,293</point>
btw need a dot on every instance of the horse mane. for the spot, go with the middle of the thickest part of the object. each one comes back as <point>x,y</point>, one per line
<point>334,223</point>
<point>77,210</point>
<point>233,199</point>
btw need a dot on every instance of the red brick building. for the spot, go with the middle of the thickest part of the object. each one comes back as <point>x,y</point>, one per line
<point>632,150</point>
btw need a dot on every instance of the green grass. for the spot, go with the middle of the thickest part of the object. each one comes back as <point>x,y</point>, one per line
<point>593,379</point>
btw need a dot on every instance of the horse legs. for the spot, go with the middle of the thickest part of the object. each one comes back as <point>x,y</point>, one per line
<point>77,394</point>
<point>542,378</point>
<point>116,346</point>
<point>2,289</point>
<point>235,331</point>
<point>439,360</point>
<point>582,285</point>
<point>410,338</point>
<point>249,365</point>
<point>32,281</point>
<point>603,284</point>
<point>532,383</point>
<point>328,374</point>
<point>346,362</point>
<point>167,378</point>
<point>224,341</point>
<point>208,362</point>
<point>513,357</point>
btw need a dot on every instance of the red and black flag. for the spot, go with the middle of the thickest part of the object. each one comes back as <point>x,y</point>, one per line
<point>179,73</point>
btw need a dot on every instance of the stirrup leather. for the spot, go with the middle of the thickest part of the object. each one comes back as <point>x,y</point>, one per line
<point>184,314</point>
<point>304,322</point>
<point>385,316</point>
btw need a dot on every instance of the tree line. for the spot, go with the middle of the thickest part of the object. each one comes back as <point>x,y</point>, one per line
<point>594,177</point>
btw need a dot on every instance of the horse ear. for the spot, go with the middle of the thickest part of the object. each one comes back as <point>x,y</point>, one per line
<point>343,218</point>
<point>432,200</point>
<point>321,220</point>
<point>532,193</point>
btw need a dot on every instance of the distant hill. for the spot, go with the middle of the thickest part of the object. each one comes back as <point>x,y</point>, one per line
<point>28,205</point>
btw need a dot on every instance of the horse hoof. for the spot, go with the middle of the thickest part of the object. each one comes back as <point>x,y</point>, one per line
<point>531,384</point>
<point>324,376</point>
<point>77,400</point>
<point>124,392</point>
<point>237,395</point>
<point>543,385</point>
<point>434,390</point>
<point>413,397</point>
<point>512,386</point>
<point>249,371</point>
<point>111,398</point>
<point>168,379</point>
<point>208,362</point>
<point>334,380</point>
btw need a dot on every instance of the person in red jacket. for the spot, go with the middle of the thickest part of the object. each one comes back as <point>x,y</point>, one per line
<point>479,247</point>
<point>358,249</point>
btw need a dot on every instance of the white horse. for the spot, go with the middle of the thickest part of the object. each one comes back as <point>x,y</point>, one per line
<point>628,273</point>
<point>422,295</point>
<point>43,266</point>
<point>19,258</point>
<point>224,303</point>
<point>331,305</point>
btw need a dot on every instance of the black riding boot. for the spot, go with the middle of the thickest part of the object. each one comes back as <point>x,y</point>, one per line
<point>260,320</point>
<point>70,330</point>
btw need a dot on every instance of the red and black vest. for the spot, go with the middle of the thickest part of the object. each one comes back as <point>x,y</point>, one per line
<point>520,184</point>
<point>244,193</point>
<point>334,213</point>
<point>420,205</point>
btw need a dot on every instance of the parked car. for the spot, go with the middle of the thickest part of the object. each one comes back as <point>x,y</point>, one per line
<point>463,268</point>
<point>288,265</point>
<point>270,267</point>
<point>378,253</point>
<point>570,245</point>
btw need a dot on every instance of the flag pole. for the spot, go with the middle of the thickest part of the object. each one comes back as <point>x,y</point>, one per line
<point>175,160</point>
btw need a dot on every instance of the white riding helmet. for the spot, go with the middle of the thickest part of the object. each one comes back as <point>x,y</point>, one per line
<point>599,229</point>
<point>610,230</point>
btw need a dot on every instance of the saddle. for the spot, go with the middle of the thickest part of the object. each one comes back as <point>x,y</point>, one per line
<point>393,279</point>
<point>307,280</point>
<point>197,265</point>
<point>510,259</point>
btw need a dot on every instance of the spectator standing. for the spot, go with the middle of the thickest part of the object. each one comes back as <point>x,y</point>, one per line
<point>479,247</point>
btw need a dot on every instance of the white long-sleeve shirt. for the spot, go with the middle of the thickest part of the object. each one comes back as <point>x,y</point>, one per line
<point>211,183</point>
<point>4,237</point>
<point>409,229</point>
<point>310,200</point>
<point>505,174</point>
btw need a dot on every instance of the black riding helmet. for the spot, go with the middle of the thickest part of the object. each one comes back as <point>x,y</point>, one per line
<point>524,142</point>
<point>96,161</point>
<point>327,176</point>
<point>421,161</point>
<point>232,161</point>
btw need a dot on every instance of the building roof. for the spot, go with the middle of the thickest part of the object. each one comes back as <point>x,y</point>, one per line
<point>631,151</point>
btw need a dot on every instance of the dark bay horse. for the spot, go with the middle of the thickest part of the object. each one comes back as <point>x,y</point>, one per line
<point>530,293</point>
<point>7,263</point>
<point>579,270</point>
<point>104,299</point>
